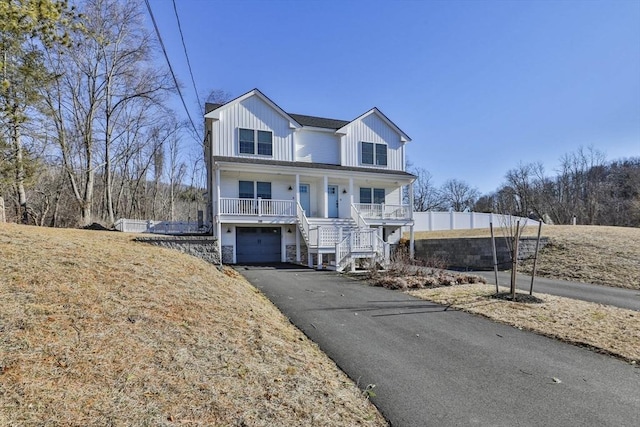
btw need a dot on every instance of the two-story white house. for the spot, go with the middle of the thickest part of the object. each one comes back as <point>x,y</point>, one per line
<point>294,188</point>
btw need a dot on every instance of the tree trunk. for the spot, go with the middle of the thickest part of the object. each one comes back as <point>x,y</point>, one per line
<point>23,215</point>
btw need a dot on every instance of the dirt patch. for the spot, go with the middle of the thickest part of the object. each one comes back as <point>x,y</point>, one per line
<point>98,330</point>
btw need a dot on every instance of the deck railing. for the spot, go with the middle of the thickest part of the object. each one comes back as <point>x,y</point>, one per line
<point>383,211</point>
<point>358,243</point>
<point>259,207</point>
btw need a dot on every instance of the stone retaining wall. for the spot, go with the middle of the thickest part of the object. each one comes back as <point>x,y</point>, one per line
<point>203,247</point>
<point>475,253</point>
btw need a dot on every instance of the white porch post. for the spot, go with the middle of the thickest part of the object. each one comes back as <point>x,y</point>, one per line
<point>218,222</point>
<point>325,182</point>
<point>295,208</point>
<point>351,191</point>
<point>412,251</point>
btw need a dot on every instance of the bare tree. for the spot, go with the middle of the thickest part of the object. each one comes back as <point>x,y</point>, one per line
<point>426,196</point>
<point>458,195</point>
<point>109,86</point>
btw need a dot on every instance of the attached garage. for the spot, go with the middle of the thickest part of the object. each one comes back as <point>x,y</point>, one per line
<point>258,244</point>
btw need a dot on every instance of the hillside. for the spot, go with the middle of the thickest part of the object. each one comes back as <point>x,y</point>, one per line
<point>100,330</point>
<point>590,254</point>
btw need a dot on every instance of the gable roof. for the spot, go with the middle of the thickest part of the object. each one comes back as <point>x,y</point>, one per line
<point>300,120</point>
<point>215,112</point>
<point>403,136</point>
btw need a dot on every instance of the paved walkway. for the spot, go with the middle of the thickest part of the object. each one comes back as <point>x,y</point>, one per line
<point>617,297</point>
<point>438,367</point>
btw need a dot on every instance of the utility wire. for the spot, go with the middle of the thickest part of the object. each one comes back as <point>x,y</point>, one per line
<point>166,56</point>
<point>184,46</point>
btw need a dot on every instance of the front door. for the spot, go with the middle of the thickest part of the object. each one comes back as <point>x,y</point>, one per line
<point>333,201</point>
<point>305,199</point>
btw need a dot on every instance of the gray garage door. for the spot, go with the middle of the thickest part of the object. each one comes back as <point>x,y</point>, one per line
<point>258,244</point>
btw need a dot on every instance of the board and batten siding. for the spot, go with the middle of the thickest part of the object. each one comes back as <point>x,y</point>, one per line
<point>252,113</point>
<point>317,147</point>
<point>372,129</point>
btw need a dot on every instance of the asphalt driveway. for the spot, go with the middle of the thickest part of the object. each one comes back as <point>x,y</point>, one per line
<point>437,367</point>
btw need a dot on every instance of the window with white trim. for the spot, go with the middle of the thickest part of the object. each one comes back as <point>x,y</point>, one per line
<point>252,141</point>
<point>373,154</point>
<point>372,195</point>
<point>251,189</point>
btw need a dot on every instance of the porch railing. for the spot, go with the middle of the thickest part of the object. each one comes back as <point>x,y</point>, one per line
<point>383,211</point>
<point>259,207</point>
<point>304,224</point>
<point>361,243</point>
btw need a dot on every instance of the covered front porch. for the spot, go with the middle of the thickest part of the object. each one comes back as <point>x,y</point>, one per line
<point>315,209</point>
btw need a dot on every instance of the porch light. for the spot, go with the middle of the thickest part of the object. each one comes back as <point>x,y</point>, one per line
<point>228,229</point>
<point>290,188</point>
<point>289,230</point>
<point>344,191</point>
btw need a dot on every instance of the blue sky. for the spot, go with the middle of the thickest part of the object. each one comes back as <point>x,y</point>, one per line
<point>479,86</point>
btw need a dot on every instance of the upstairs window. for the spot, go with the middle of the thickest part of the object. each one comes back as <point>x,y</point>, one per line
<point>247,143</point>
<point>265,143</point>
<point>255,142</point>
<point>371,195</point>
<point>373,154</point>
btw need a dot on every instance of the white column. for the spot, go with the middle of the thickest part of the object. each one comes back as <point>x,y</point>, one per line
<point>319,266</point>
<point>411,200</point>
<point>325,182</point>
<point>218,222</point>
<point>295,209</point>
<point>351,195</point>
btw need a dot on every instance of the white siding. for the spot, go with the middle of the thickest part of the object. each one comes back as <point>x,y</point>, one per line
<point>394,197</point>
<point>279,185</point>
<point>317,147</point>
<point>372,129</point>
<point>252,113</point>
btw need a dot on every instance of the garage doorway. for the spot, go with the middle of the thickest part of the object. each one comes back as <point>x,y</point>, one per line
<point>258,244</point>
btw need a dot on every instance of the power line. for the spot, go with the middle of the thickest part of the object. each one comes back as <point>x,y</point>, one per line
<point>166,56</point>
<point>184,46</point>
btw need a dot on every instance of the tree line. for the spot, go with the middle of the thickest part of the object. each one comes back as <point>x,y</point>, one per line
<point>586,188</point>
<point>86,134</point>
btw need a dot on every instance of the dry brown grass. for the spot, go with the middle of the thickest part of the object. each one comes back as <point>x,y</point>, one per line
<point>608,329</point>
<point>590,254</point>
<point>98,330</point>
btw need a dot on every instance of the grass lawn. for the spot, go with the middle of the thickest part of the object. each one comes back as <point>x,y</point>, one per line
<point>99,330</point>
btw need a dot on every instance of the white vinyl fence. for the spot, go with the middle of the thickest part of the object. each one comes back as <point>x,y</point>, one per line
<point>158,227</point>
<point>435,221</point>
